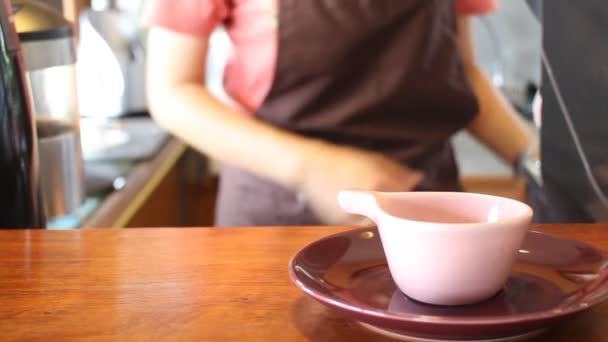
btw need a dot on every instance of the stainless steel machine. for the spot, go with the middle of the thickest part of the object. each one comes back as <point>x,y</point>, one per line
<point>47,43</point>
<point>111,60</point>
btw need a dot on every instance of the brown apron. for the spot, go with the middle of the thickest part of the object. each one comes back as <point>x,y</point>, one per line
<point>382,75</point>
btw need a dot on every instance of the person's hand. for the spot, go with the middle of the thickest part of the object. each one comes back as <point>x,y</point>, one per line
<point>330,169</point>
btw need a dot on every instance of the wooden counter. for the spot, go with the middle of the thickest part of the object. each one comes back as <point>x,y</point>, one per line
<point>190,285</point>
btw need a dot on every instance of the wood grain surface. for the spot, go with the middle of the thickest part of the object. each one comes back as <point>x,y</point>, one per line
<point>199,284</point>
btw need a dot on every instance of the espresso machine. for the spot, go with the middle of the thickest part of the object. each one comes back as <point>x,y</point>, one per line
<point>47,44</point>
<point>19,178</point>
<point>111,60</point>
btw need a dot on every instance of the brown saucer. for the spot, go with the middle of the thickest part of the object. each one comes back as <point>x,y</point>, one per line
<point>552,279</point>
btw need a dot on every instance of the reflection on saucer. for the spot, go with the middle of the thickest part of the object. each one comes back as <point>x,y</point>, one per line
<point>402,336</point>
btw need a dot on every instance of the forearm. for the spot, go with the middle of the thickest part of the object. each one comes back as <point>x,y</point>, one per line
<point>497,125</point>
<point>190,112</point>
<point>180,103</point>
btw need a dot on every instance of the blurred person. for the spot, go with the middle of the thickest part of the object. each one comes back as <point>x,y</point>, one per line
<point>330,95</point>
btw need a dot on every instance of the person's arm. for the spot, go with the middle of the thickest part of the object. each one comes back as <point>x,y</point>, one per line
<point>497,125</point>
<point>180,102</point>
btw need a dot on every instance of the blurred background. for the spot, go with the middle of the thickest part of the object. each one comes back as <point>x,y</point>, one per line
<point>134,174</point>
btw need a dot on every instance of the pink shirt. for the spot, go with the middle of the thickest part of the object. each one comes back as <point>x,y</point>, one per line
<point>252,26</point>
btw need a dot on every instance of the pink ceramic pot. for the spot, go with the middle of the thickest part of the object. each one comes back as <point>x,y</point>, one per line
<point>445,248</point>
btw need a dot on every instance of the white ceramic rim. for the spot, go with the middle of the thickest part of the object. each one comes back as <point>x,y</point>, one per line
<point>524,218</point>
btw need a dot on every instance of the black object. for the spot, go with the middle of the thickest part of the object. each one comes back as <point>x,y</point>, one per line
<point>19,191</point>
<point>574,137</point>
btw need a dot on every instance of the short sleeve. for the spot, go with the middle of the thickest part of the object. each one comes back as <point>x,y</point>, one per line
<point>475,7</point>
<point>195,17</point>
